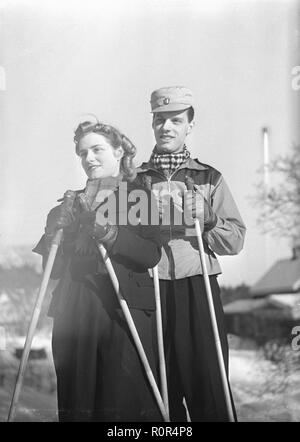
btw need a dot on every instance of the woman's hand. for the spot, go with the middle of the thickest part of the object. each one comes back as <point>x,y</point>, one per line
<point>89,224</point>
<point>95,226</point>
<point>59,218</point>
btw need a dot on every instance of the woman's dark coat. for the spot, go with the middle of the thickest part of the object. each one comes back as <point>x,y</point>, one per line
<point>99,374</point>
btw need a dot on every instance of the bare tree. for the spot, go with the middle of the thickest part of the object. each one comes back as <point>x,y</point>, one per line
<point>279,204</point>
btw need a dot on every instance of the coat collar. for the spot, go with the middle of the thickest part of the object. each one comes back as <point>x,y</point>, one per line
<point>190,163</point>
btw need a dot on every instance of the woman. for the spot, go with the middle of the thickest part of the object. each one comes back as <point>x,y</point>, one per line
<point>99,374</point>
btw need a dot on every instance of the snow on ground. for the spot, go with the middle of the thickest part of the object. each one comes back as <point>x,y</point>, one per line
<point>263,391</point>
<point>37,400</point>
<point>34,406</point>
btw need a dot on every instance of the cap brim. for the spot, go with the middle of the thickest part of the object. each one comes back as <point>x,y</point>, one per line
<point>171,107</point>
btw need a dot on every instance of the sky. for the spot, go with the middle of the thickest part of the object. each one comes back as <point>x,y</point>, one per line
<point>62,59</point>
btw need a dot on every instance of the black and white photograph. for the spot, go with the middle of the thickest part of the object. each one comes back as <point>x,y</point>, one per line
<point>150,213</point>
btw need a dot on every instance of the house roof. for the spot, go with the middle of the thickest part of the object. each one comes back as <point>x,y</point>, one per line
<point>282,277</point>
<point>287,304</point>
<point>244,305</point>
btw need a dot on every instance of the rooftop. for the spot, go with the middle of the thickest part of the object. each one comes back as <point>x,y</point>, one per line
<point>283,277</point>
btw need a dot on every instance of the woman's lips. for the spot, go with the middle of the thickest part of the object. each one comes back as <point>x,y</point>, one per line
<point>94,167</point>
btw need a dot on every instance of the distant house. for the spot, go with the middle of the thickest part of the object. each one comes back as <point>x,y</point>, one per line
<point>283,277</point>
<point>273,308</point>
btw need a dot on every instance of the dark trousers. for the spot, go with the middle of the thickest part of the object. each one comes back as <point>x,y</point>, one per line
<point>99,373</point>
<point>191,357</point>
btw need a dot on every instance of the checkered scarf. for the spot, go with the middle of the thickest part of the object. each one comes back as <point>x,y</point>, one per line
<point>169,161</point>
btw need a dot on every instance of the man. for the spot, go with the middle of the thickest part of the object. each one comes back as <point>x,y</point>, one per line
<point>192,366</point>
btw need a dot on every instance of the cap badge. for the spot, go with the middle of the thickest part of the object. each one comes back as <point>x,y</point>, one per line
<point>166,100</point>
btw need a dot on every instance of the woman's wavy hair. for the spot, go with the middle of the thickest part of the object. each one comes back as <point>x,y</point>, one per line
<point>116,139</point>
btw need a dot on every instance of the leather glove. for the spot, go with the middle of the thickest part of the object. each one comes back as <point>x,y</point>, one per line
<point>89,225</point>
<point>92,224</point>
<point>64,215</point>
<point>198,207</point>
<point>60,217</point>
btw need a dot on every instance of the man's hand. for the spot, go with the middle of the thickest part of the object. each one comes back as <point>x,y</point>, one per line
<point>198,207</point>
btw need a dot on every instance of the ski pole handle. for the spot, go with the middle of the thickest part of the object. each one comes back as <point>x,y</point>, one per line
<point>69,198</point>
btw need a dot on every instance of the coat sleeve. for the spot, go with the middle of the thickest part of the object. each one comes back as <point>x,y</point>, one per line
<point>140,251</point>
<point>139,246</point>
<point>227,237</point>
<point>59,262</point>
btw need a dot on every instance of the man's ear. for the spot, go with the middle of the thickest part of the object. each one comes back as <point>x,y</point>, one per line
<point>190,128</point>
<point>152,121</point>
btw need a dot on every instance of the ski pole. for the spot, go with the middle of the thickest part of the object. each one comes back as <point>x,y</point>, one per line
<point>134,333</point>
<point>190,186</point>
<point>161,351</point>
<point>68,200</point>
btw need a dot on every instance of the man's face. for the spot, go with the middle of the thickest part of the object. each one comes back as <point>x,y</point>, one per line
<point>170,130</point>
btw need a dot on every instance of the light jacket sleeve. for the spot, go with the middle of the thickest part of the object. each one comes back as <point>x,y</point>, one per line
<point>227,237</point>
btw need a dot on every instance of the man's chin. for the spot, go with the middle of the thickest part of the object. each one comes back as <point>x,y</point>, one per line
<point>167,148</point>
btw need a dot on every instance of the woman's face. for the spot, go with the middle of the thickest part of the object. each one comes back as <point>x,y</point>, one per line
<point>98,158</point>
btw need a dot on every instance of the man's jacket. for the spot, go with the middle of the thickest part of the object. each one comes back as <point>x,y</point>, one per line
<point>180,255</point>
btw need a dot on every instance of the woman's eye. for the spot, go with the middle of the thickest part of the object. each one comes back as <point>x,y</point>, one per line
<point>98,149</point>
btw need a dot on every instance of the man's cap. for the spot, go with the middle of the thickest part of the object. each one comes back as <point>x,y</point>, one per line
<point>173,98</point>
